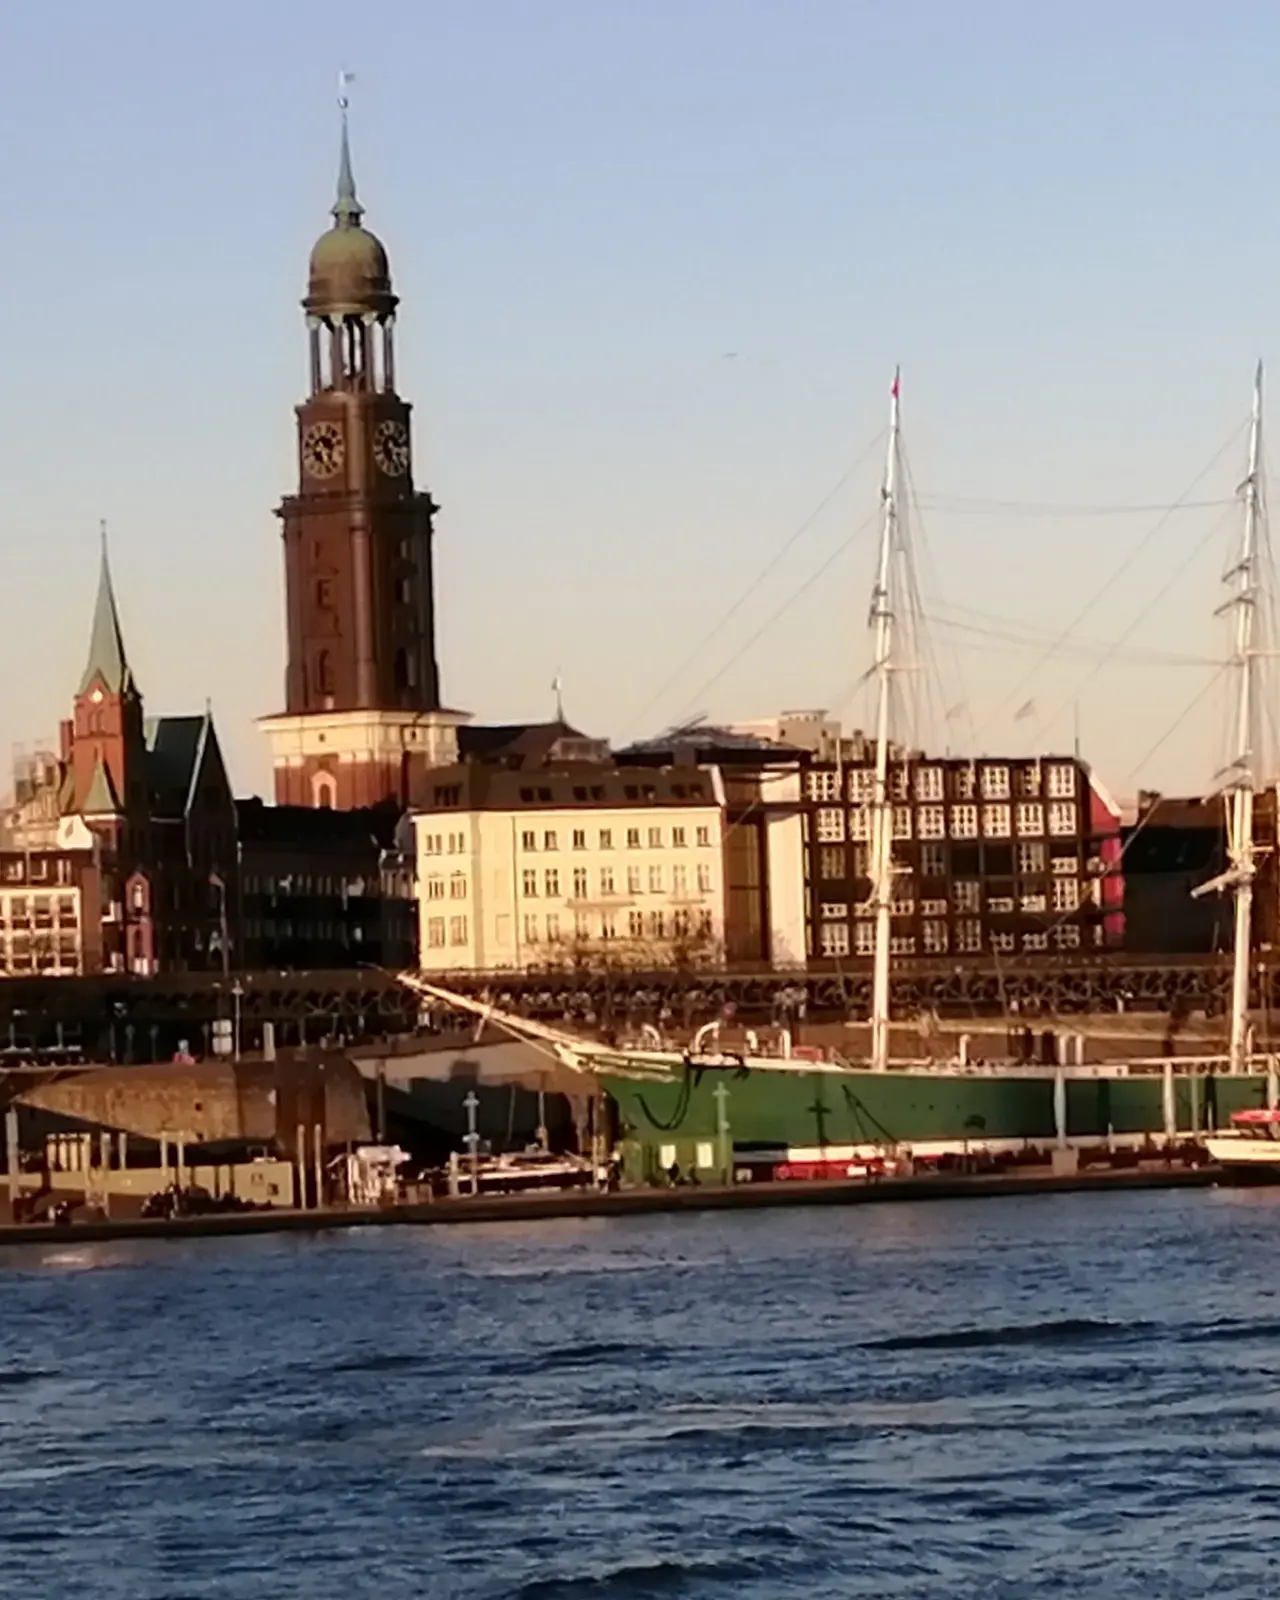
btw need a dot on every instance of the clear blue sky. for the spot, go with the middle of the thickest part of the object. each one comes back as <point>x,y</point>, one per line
<point>1061,220</point>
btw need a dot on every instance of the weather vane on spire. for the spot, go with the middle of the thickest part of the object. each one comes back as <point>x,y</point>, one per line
<point>348,210</point>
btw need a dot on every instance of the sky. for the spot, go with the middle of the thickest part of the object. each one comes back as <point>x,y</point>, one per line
<point>657,266</point>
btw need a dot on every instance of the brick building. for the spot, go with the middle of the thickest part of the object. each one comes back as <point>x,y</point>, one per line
<point>115,852</point>
<point>993,855</point>
<point>362,711</point>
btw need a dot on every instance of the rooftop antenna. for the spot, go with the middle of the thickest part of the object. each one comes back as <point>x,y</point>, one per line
<point>557,689</point>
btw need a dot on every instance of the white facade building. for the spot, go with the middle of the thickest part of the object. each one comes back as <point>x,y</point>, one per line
<point>596,864</point>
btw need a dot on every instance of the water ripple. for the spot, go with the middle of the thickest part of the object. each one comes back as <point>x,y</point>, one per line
<point>1061,1398</point>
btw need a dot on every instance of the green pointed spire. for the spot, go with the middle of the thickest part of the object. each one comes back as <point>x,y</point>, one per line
<point>348,210</point>
<point>107,660</point>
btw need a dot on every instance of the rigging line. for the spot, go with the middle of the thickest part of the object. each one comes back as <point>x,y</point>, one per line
<point>1136,653</point>
<point>1009,627</point>
<point>958,505</point>
<point>927,562</point>
<point>752,587</point>
<point>927,693</point>
<point>783,608</point>
<point>1021,686</point>
<point>1223,667</point>
<point>1114,867</point>
<point>1043,726</point>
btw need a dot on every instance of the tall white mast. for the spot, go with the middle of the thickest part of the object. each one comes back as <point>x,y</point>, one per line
<point>1242,864</point>
<point>882,810</point>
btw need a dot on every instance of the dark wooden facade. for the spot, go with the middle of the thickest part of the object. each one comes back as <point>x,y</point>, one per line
<point>322,889</point>
<point>1173,847</point>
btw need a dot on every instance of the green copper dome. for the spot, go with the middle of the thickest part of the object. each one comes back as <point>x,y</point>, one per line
<point>349,273</point>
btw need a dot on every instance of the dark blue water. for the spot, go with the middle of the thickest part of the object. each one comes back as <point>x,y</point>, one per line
<point>1057,1396</point>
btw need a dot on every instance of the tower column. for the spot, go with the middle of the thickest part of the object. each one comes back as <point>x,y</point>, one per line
<point>361,560</point>
<point>388,356</point>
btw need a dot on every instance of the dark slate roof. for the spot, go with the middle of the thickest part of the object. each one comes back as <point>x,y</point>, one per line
<point>107,661</point>
<point>711,744</point>
<point>522,745</point>
<point>486,787</point>
<point>174,749</point>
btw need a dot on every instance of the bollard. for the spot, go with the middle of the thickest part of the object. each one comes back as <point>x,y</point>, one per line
<point>11,1161</point>
<point>1170,1106</point>
<point>317,1133</point>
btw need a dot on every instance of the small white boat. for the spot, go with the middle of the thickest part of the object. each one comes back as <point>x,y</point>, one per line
<point>1251,1144</point>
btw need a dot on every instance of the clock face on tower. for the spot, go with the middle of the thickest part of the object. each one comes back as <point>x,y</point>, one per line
<point>391,448</point>
<point>322,449</point>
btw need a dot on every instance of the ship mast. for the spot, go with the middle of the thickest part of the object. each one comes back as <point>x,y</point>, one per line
<point>882,620</point>
<point>1242,866</point>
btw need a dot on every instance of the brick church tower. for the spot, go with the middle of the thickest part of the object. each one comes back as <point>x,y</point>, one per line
<point>362,692</point>
<point>104,743</point>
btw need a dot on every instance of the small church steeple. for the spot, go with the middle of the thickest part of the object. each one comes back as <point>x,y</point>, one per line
<point>107,665</point>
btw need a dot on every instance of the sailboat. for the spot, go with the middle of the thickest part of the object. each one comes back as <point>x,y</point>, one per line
<point>720,1112</point>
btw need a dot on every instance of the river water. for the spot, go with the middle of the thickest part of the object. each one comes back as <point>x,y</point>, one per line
<point>1050,1396</point>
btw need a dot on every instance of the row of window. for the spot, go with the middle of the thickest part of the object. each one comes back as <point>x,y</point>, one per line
<point>37,869</point>
<point>21,908</point>
<point>434,887</point>
<point>653,837</point>
<point>1065,896</point>
<point>995,781</point>
<point>607,925</point>
<point>956,822</point>
<point>326,883</point>
<point>56,965</point>
<point>456,927</point>
<point>935,939</point>
<point>67,942</point>
<point>286,928</point>
<point>655,878</point>
<point>1031,860</point>
<point>440,844</point>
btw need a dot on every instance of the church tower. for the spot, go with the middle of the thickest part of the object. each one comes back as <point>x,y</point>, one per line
<point>362,689</point>
<point>104,743</point>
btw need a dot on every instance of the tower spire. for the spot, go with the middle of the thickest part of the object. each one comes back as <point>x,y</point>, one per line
<point>107,662</point>
<point>347,210</point>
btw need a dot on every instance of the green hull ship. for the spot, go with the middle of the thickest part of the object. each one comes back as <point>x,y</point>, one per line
<point>716,1116</point>
<point>707,1118</point>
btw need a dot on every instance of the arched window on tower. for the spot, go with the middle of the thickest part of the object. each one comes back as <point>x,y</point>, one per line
<point>324,791</point>
<point>401,670</point>
<point>324,673</point>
